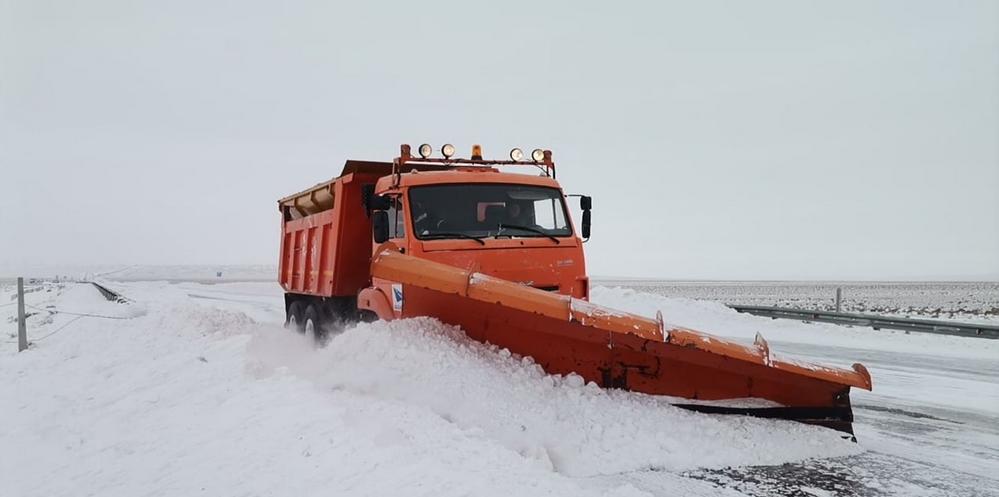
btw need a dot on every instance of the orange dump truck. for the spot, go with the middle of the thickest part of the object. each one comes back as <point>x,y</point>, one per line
<point>497,253</point>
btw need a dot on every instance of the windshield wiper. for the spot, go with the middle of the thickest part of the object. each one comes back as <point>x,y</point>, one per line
<point>439,235</point>
<point>527,228</point>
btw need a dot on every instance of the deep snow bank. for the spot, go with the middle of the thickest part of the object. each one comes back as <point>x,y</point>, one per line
<point>193,396</point>
<point>576,429</point>
<point>163,405</point>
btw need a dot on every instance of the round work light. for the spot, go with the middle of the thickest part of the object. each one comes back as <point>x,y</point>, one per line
<point>447,150</point>
<point>426,150</point>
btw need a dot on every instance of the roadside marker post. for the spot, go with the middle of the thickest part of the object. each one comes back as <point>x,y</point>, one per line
<point>22,328</point>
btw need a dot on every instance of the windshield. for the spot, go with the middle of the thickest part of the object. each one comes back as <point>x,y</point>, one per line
<point>487,210</point>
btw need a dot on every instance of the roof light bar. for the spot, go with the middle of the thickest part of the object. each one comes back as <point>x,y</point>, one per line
<point>447,150</point>
<point>425,150</point>
<point>539,158</point>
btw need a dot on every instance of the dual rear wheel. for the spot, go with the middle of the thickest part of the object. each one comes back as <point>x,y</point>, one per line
<point>308,320</point>
<point>315,320</point>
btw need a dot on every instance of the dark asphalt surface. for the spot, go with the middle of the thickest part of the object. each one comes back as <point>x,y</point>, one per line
<point>915,446</point>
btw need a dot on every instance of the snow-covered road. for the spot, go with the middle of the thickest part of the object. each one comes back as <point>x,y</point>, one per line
<point>200,389</point>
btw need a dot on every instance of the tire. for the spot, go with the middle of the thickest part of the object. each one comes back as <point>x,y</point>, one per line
<point>313,324</point>
<point>296,317</point>
<point>366,316</point>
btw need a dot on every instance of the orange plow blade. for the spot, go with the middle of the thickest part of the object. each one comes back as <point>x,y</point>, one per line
<point>621,350</point>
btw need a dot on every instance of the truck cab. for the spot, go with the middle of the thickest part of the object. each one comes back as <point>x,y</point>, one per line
<point>513,226</point>
<point>472,215</point>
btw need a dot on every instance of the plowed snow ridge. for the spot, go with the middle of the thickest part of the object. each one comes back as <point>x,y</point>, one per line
<point>573,428</point>
<point>189,397</point>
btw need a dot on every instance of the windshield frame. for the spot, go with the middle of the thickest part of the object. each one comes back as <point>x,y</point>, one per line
<point>569,230</point>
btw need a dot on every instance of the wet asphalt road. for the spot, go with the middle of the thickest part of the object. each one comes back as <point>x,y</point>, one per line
<point>929,428</point>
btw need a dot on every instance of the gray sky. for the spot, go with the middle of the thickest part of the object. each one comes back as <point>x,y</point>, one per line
<point>720,140</point>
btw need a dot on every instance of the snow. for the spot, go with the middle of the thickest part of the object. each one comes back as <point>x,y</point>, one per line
<point>960,301</point>
<point>193,395</point>
<point>200,390</point>
<point>575,429</point>
<point>202,273</point>
<point>718,319</point>
<point>171,403</point>
<point>950,379</point>
<point>587,309</point>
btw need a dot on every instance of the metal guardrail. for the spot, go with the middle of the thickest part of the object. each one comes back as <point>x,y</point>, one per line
<point>109,294</point>
<point>876,322</point>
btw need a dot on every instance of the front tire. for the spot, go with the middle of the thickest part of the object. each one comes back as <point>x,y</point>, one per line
<point>366,316</point>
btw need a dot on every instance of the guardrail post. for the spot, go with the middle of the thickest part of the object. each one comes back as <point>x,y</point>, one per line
<point>839,298</point>
<point>22,328</point>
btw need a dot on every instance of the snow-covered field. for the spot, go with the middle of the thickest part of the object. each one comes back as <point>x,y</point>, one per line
<point>196,388</point>
<point>959,301</point>
<point>976,302</point>
<point>199,273</point>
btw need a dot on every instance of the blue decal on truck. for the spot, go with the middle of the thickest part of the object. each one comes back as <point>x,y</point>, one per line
<point>397,296</point>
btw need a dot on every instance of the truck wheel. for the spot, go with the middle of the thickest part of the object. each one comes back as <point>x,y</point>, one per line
<point>313,325</point>
<point>366,316</point>
<point>296,317</point>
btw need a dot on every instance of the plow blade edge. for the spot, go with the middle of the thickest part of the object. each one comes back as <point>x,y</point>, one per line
<point>621,350</point>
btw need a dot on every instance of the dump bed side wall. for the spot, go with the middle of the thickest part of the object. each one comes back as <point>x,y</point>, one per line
<point>328,253</point>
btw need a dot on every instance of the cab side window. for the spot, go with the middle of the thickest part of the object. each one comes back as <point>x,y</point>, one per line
<point>549,215</point>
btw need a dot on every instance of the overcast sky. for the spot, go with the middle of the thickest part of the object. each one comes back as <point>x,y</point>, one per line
<point>720,140</point>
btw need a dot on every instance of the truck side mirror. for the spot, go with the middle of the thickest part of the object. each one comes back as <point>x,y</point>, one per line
<point>586,203</point>
<point>380,226</point>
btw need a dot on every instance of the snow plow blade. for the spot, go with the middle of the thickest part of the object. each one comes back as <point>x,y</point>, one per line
<point>620,350</point>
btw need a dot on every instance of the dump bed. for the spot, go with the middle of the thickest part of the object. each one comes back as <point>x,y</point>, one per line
<point>326,234</point>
